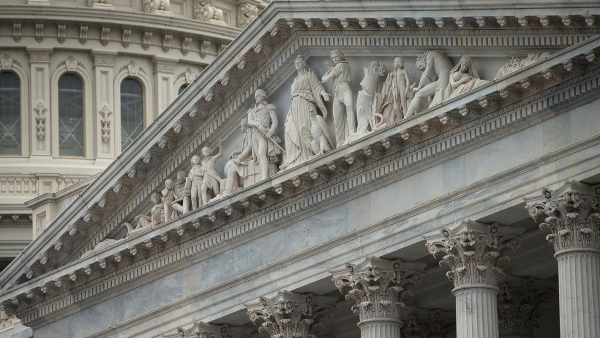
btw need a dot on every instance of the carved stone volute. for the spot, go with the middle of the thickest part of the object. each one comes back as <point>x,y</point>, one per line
<point>291,315</point>
<point>474,252</point>
<point>572,215</point>
<point>379,286</point>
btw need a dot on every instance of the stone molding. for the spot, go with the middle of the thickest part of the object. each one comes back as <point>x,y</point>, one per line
<point>404,159</point>
<point>39,55</point>
<point>380,287</point>
<point>573,217</point>
<point>474,252</point>
<point>103,58</point>
<point>163,64</point>
<point>291,315</point>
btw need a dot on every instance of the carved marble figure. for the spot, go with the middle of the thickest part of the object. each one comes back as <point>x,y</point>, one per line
<point>463,78</point>
<point>401,83</point>
<point>169,196</point>
<point>317,138</point>
<point>262,118</point>
<point>145,222</point>
<point>196,175</point>
<point>150,6</point>
<point>340,75</point>
<point>205,10</point>
<point>211,180</point>
<point>183,189</point>
<point>308,93</point>
<point>236,168</point>
<point>517,63</point>
<point>364,102</point>
<point>431,63</point>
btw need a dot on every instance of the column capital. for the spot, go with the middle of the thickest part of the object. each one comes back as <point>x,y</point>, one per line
<point>474,252</point>
<point>421,323</point>
<point>520,305</point>
<point>103,57</point>
<point>163,64</point>
<point>379,286</point>
<point>572,216</point>
<point>290,314</point>
<point>39,55</point>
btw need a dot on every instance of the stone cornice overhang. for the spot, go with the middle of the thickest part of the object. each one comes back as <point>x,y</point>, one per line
<point>358,179</point>
<point>101,17</point>
<point>62,194</point>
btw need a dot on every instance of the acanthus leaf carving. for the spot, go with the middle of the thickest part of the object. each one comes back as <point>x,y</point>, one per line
<point>60,32</point>
<point>246,13</point>
<point>146,39</point>
<point>83,34</point>
<point>17,31</point>
<point>290,314</point>
<point>105,119</point>
<point>104,35</point>
<point>40,120</point>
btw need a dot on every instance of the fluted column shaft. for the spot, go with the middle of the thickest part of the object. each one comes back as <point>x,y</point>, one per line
<point>477,312</point>
<point>380,328</point>
<point>579,294</point>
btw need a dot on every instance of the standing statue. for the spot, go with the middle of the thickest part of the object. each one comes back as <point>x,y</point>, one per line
<point>262,118</point>
<point>307,93</point>
<point>364,102</point>
<point>183,190</point>
<point>463,78</point>
<point>196,176</point>
<point>169,196</point>
<point>236,168</point>
<point>401,83</point>
<point>438,63</point>
<point>211,179</point>
<point>340,75</point>
<point>145,222</point>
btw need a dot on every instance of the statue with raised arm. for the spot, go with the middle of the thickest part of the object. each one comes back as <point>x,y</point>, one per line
<point>344,118</point>
<point>463,78</point>
<point>435,65</point>
<point>262,118</point>
<point>211,180</point>
<point>308,93</point>
<point>183,190</point>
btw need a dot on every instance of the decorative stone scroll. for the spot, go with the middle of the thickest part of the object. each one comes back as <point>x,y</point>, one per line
<point>156,6</point>
<point>290,314</point>
<point>476,254</point>
<point>340,76</point>
<point>380,287</point>
<point>204,10</point>
<point>517,63</point>
<point>574,224</point>
<point>246,13</point>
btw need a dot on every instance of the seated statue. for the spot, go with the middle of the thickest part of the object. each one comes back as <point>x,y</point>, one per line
<point>463,78</point>
<point>145,222</point>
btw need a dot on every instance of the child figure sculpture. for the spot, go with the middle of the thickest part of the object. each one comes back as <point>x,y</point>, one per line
<point>211,179</point>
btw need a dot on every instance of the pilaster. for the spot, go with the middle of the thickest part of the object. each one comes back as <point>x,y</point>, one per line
<point>104,104</point>
<point>290,314</point>
<point>39,61</point>
<point>164,93</point>
<point>574,224</point>
<point>380,287</point>
<point>476,254</point>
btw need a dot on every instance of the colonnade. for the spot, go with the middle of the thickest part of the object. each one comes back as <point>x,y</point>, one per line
<point>476,254</point>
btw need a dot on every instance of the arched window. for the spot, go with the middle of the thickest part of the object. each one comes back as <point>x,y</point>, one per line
<point>181,89</point>
<point>132,111</point>
<point>70,116</point>
<point>10,114</point>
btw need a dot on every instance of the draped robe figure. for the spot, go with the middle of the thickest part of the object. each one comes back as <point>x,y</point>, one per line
<point>463,78</point>
<point>308,93</point>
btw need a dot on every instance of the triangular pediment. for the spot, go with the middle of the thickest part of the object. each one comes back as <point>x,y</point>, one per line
<point>87,243</point>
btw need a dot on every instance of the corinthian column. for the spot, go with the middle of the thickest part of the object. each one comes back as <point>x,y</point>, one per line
<point>380,288</point>
<point>475,253</point>
<point>519,307</point>
<point>574,224</point>
<point>291,315</point>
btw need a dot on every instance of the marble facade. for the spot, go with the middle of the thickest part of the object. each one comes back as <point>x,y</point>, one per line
<point>333,158</point>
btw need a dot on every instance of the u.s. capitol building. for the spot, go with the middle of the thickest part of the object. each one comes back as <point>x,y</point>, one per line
<point>343,169</point>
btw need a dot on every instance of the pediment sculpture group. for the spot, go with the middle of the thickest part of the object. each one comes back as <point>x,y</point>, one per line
<point>306,133</point>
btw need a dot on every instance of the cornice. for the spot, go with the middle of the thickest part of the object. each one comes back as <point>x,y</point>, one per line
<point>62,194</point>
<point>357,180</point>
